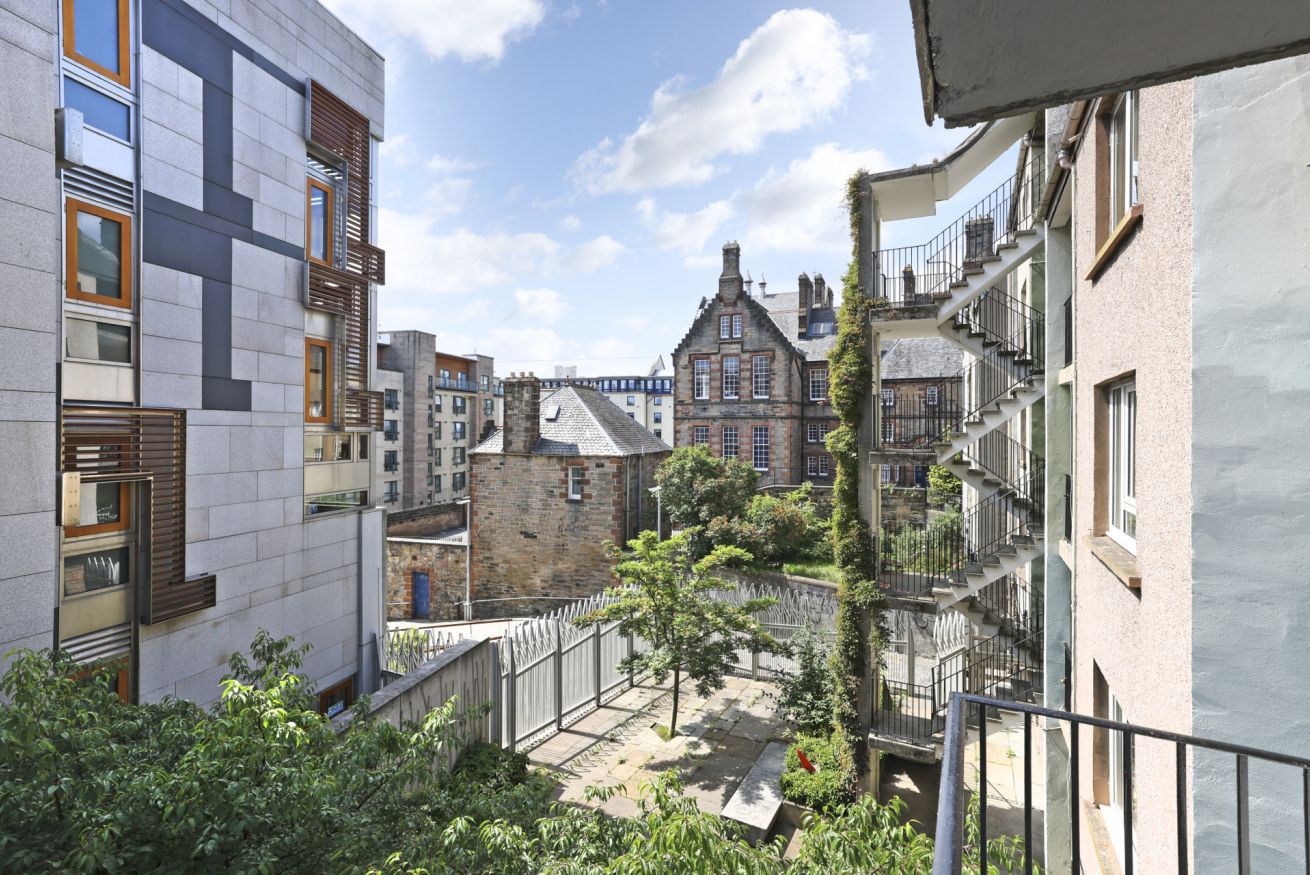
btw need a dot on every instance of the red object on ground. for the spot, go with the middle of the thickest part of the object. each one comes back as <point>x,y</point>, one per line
<point>805,761</point>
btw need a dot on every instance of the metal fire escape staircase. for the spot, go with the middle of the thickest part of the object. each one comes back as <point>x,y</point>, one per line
<point>987,630</point>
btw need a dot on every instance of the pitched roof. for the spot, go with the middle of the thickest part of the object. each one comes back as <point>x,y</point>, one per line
<point>821,332</point>
<point>921,358</point>
<point>587,424</point>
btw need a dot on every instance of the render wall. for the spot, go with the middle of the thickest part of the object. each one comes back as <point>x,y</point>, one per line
<point>1136,318</point>
<point>1250,519</point>
<point>29,342</point>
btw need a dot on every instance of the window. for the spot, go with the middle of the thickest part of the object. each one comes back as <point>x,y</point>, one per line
<point>429,384</point>
<point>930,396</point>
<point>700,436</point>
<point>318,380</point>
<point>701,379</point>
<point>99,254</point>
<point>823,466</point>
<point>659,402</point>
<point>437,402</point>
<point>818,384</point>
<point>436,431</point>
<point>724,327</point>
<point>823,431</point>
<point>736,325</point>
<point>391,399</point>
<point>488,407</point>
<point>390,460</point>
<point>731,376</point>
<point>731,442</point>
<point>886,473</point>
<point>632,416</point>
<point>760,376</point>
<point>436,485</point>
<point>457,481</point>
<point>457,456</point>
<point>106,507</point>
<point>1123,157</point>
<point>460,405</point>
<point>318,222</point>
<point>1123,464</point>
<point>96,35</point>
<point>431,419</point>
<point>457,431</point>
<point>429,473</point>
<point>888,397</point>
<point>659,417</point>
<point>337,501</point>
<point>632,400</point>
<point>437,458</point>
<point>812,432</point>
<point>106,342</point>
<point>99,110</point>
<point>575,482</point>
<point>659,433</point>
<point>97,570</point>
<point>392,493</point>
<point>812,466</point>
<point>364,441</point>
<point>760,447</point>
<point>1109,754</point>
<point>391,430</point>
<point>429,443</point>
<point>337,698</point>
<point>888,430</point>
<point>485,382</point>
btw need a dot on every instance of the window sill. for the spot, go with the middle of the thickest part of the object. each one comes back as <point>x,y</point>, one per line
<point>574,500</point>
<point>1121,563</point>
<point>1065,375</point>
<point>1115,242</point>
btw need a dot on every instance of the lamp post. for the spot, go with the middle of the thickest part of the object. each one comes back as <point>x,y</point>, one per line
<point>659,511</point>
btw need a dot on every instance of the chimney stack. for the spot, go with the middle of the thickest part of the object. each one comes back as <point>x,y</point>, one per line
<point>764,285</point>
<point>805,298</point>
<point>748,283</point>
<point>522,413</point>
<point>730,281</point>
<point>820,292</point>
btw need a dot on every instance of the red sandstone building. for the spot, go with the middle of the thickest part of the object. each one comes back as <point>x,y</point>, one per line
<point>751,377</point>
<point>565,474</point>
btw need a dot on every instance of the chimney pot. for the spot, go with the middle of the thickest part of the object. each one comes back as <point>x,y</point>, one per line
<point>730,281</point>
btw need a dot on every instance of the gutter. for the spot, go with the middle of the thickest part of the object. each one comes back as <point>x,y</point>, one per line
<point>1071,142</point>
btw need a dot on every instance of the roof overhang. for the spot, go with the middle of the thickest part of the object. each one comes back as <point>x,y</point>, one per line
<point>981,61</point>
<point>911,192</point>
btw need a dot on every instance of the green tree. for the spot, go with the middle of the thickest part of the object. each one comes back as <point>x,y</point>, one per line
<point>665,597</point>
<point>697,486</point>
<point>944,488</point>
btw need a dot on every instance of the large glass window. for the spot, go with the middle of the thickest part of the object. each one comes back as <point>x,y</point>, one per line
<point>97,341</point>
<point>724,327</point>
<point>760,376</point>
<point>731,445</point>
<point>818,384</point>
<point>736,325</point>
<point>105,507</point>
<point>700,436</point>
<point>1123,464</point>
<point>318,224</point>
<point>1123,157</point>
<point>731,376</point>
<point>99,246</point>
<point>101,569</point>
<point>701,379</point>
<point>461,404</point>
<point>96,36</point>
<point>337,501</point>
<point>457,480</point>
<point>457,431</point>
<point>760,447</point>
<point>318,380</point>
<point>98,109</point>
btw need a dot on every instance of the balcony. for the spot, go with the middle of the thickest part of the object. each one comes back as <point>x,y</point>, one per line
<point>1202,771</point>
<point>391,434</point>
<point>390,467</point>
<point>456,384</point>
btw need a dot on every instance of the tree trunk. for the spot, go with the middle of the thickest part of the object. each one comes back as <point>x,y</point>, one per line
<point>673,721</point>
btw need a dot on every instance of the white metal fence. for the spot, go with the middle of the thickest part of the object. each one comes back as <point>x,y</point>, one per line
<point>553,672</point>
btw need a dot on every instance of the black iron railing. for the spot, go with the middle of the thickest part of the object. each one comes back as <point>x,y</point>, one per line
<point>391,434</point>
<point>1013,601</point>
<point>913,276</point>
<point>951,808</point>
<point>997,318</point>
<point>1000,666</point>
<point>908,711</point>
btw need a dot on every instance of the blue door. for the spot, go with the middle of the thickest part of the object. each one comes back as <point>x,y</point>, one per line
<point>422,595</point>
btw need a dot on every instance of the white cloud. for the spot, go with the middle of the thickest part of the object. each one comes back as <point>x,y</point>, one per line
<point>542,305</point>
<point>470,31</point>
<point>447,196</point>
<point>683,232</point>
<point>399,149</point>
<point>570,224</point>
<point>800,208</point>
<point>533,349</point>
<point>792,71</point>
<point>445,164</point>
<point>592,256</point>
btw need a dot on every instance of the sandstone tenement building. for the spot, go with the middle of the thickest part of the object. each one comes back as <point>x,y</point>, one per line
<point>565,474</point>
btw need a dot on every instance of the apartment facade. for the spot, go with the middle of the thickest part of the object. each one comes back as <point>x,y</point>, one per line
<point>751,377</point>
<point>447,400</point>
<point>389,461</point>
<point>193,277</point>
<point>568,472</point>
<point>646,398</point>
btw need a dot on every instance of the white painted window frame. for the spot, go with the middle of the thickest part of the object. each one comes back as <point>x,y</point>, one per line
<point>760,447</point>
<point>576,476</point>
<point>1122,519</point>
<point>700,369</point>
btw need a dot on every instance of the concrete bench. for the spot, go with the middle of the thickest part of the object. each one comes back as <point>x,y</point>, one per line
<point>759,796</point>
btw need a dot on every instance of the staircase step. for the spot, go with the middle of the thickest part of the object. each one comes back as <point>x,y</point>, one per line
<point>986,259</point>
<point>1001,247</point>
<point>959,284</point>
<point>1026,232</point>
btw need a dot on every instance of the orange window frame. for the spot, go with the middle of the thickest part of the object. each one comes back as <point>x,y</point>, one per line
<point>124,76</point>
<point>124,517</point>
<point>122,679</point>
<point>72,207</point>
<point>325,698</point>
<point>329,196</point>
<point>326,346</point>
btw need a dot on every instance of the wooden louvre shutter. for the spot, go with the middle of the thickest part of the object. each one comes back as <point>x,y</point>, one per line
<point>146,446</point>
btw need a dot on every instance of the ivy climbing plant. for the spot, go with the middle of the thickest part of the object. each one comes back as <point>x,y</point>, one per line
<point>859,602</point>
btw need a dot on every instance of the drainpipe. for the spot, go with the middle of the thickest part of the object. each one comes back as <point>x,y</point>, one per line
<point>468,557</point>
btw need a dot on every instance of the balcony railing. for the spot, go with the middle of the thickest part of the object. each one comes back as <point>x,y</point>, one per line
<point>952,803</point>
<point>390,466</point>
<point>454,383</point>
<point>913,276</point>
<point>391,434</point>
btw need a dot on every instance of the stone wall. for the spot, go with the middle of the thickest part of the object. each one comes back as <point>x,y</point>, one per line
<point>443,561</point>
<point>420,522</point>
<point>904,507</point>
<point>529,539</point>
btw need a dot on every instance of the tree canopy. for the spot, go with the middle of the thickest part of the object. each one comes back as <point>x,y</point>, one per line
<point>696,486</point>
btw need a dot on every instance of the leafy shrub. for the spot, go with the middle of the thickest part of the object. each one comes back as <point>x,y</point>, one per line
<point>774,528</point>
<point>491,766</point>
<point>805,695</point>
<point>697,486</point>
<point>944,488</point>
<point>834,782</point>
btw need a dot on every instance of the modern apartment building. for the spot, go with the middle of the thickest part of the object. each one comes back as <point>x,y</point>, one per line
<point>1176,362</point>
<point>191,279</point>
<point>446,401</point>
<point>751,377</point>
<point>389,460</point>
<point>646,398</point>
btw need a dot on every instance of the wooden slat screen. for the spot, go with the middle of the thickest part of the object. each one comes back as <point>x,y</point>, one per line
<point>339,129</point>
<point>145,445</point>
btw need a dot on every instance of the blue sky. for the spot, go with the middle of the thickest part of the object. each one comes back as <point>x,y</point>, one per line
<point>558,177</point>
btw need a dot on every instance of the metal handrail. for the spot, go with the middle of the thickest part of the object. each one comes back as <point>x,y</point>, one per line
<point>949,849</point>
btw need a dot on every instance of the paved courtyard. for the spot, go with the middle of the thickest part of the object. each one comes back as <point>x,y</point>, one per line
<point>718,741</point>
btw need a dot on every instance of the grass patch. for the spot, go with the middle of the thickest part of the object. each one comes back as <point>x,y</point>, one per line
<point>817,570</point>
<point>663,731</point>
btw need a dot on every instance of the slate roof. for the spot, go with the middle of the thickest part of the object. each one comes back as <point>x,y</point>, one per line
<point>921,358</point>
<point>821,334</point>
<point>588,424</point>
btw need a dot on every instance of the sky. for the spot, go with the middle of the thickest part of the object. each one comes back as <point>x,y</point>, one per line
<point>558,176</point>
